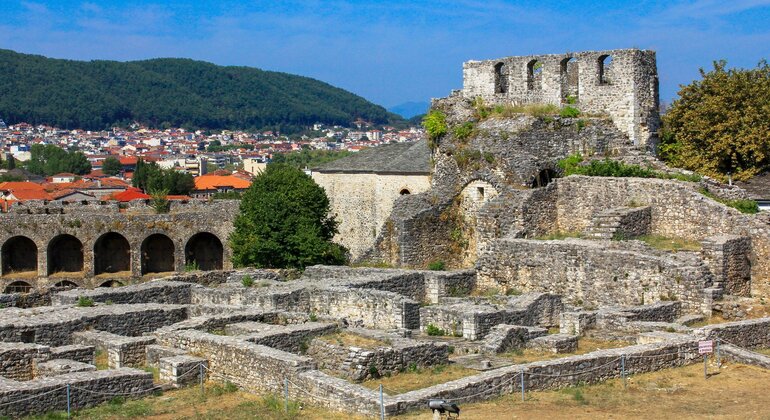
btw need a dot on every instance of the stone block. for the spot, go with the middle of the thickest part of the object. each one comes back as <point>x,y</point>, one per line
<point>555,343</point>
<point>56,367</point>
<point>576,322</point>
<point>155,352</point>
<point>180,371</point>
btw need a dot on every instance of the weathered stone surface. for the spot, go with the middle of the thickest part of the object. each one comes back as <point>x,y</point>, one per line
<point>554,343</point>
<point>56,367</point>
<point>121,351</point>
<point>503,338</point>
<point>159,291</point>
<point>180,371</point>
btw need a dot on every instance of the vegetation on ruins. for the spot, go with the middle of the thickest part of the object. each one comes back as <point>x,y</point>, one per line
<point>150,177</point>
<point>247,281</point>
<point>163,93</point>
<point>435,125</point>
<point>159,201</point>
<point>742,205</point>
<point>719,125</point>
<point>573,165</point>
<point>284,222</point>
<point>111,166</point>
<point>85,302</point>
<point>47,160</point>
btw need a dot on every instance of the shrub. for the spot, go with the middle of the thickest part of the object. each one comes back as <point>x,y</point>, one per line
<point>437,266</point>
<point>191,266</point>
<point>85,302</point>
<point>569,112</point>
<point>247,281</point>
<point>159,201</point>
<point>435,125</point>
<point>433,330</point>
<point>571,165</point>
<point>463,131</point>
<point>571,99</point>
<point>313,317</point>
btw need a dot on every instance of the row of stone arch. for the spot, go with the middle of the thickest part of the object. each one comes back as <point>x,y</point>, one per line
<point>569,68</point>
<point>112,254</point>
<point>21,286</point>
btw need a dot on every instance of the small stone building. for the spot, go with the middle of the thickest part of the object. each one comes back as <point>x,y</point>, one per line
<point>363,188</point>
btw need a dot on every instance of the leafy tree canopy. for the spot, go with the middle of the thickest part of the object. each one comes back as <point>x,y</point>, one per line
<point>111,166</point>
<point>721,123</point>
<point>168,92</point>
<point>151,178</point>
<point>47,159</point>
<point>284,222</point>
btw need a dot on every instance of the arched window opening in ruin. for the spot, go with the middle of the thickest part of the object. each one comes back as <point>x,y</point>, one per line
<point>534,75</point>
<point>501,78</point>
<point>111,283</point>
<point>480,193</point>
<point>204,251</point>
<point>18,287</point>
<point>404,192</point>
<point>570,80</point>
<point>543,178</point>
<point>19,255</point>
<point>605,69</point>
<point>66,284</point>
<point>65,255</point>
<point>157,254</point>
<point>112,254</point>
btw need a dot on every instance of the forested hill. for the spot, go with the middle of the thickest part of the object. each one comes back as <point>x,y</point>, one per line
<point>170,92</point>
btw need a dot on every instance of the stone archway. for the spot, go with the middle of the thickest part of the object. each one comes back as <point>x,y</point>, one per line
<point>157,254</point>
<point>18,287</point>
<point>66,284</point>
<point>112,254</point>
<point>543,178</point>
<point>19,255</point>
<point>65,255</point>
<point>111,283</point>
<point>204,251</point>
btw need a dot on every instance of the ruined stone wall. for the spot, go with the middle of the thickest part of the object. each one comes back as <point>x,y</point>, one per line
<point>594,273</point>
<point>362,202</point>
<point>42,224</point>
<point>678,211</point>
<point>625,87</point>
<point>366,308</point>
<point>728,258</point>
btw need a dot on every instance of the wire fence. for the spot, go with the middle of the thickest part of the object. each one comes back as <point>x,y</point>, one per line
<point>297,389</point>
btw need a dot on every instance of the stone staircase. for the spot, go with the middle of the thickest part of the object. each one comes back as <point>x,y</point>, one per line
<point>624,222</point>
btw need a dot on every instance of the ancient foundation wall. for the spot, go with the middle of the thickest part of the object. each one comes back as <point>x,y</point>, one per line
<point>589,273</point>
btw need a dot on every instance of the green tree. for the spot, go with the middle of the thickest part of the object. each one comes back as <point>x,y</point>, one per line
<point>150,177</point>
<point>111,166</point>
<point>284,222</point>
<point>720,124</point>
<point>50,160</point>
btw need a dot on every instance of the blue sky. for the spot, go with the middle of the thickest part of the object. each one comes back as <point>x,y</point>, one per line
<point>390,51</point>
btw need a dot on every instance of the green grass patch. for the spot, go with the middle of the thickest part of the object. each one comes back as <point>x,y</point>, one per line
<point>572,165</point>
<point>743,206</point>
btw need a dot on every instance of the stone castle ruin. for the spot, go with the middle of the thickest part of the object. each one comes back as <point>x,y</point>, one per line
<point>620,83</point>
<point>534,262</point>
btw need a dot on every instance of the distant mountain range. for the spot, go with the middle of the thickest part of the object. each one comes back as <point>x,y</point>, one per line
<point>410,109</point>
<point>171,92</point>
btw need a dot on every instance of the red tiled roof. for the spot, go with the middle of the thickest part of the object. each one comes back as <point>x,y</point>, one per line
<point>16,185</point>
<point>130,194</point>
<point>24,195</point>
<point>212,182</point>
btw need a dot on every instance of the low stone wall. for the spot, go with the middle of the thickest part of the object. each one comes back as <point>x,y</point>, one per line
<point>473,320</point>
<point>56,367</point>
<point>366,308</point>
<point>503,337</point>
<point>83,354</point>
<point>291,338</point>
<point>751,333</point>
<point>441,284</point>
<point>121,351</point>
<point>17,360</point>
<point>743,356</point>
<point>87,389</point>
<point>359,364</point>
<point>182,370</point>
<point>248,365</point>
<point>53,326</point>
<point>169,292</point>
<point>568,371</point>
<point>728,259</point>
<point>593,273</point>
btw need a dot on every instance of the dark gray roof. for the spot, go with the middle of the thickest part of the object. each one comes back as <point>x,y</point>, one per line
<point>399,158</point>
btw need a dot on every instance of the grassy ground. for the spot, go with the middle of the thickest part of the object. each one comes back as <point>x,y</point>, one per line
<point>419,378</point>
<point>100,359</point>
<point>352,340</point>
<point>735,392</point>
<point>585,345</point>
